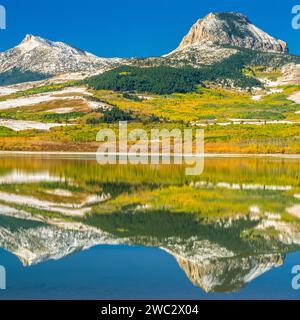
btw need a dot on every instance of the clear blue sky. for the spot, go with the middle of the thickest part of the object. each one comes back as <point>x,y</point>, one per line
<point>134,27</point>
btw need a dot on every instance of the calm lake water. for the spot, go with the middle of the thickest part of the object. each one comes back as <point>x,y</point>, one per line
<point>73,229</point>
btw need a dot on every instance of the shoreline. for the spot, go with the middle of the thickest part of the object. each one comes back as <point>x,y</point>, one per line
<point>84,155</point>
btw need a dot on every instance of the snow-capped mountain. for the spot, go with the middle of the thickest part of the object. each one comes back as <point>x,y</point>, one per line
<point>214,38</point>
<point>46,57</point>
<point>35,239</point>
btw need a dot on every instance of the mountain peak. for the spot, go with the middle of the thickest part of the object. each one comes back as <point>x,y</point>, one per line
<point>31,42</point>
<point>230,15</point>
<point>28,38</point>
<point>234,29</point>
<point>46,57</point>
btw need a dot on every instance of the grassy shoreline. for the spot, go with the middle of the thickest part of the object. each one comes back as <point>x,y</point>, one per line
<point>89,155</point>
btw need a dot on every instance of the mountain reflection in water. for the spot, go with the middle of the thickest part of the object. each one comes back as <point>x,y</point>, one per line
<point>225,228</point>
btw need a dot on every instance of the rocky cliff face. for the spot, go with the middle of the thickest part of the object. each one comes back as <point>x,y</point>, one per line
<point>232,29</point>
<point>231,274</point>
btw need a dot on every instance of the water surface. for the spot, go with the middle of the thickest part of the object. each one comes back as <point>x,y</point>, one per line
<point>73,229</point>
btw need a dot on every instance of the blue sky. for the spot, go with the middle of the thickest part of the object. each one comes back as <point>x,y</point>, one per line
<point>134,27</point>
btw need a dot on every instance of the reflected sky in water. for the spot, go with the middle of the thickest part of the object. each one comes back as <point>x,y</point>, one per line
<point>75,229</point>
<point>110,272</point>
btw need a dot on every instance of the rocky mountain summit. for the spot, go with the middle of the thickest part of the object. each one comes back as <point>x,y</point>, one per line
<point>233,29</point>
<point>219,36</point>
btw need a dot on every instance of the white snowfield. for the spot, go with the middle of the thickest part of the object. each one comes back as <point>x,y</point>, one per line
<point>68,209</point>
<point>7,90</point>
<point>239,186</point>
<point>72,93</point>
<point>19,125</point>
<point>290,75</point>
<point>294,211</point>
<point>61,110</point>
<point>245,122</point>
<point>295,97</point>
<point>44,97</point>
<point>257,98</point>
<point>18,176</point>
<point>269,92</point>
